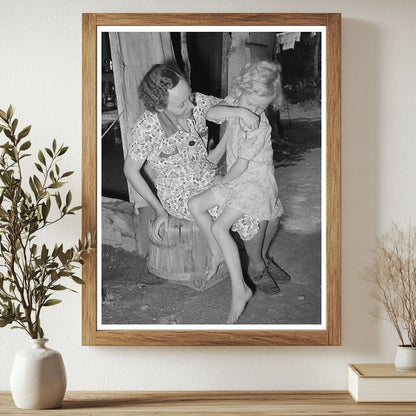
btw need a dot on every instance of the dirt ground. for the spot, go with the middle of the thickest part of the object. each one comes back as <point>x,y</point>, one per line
<point>131,295</point>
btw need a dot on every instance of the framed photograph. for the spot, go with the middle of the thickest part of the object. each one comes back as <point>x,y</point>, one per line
<point>165,97</point>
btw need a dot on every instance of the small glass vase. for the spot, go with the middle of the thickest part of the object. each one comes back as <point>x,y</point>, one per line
<point>405,358</point>
<point>38,377</point>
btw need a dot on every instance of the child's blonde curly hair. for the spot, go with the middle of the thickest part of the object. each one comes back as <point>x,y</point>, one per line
<point>262,78</point>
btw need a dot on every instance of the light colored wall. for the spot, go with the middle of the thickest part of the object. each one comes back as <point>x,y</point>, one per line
<point>40,73</point>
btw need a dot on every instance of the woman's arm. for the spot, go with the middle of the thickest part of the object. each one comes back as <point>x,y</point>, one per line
<point>136,180</point>
<point>237,169</point>
<point>223,110</point>
<point>215,155</point>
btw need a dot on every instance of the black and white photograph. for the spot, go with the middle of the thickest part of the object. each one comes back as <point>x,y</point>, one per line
<point>211,178</point>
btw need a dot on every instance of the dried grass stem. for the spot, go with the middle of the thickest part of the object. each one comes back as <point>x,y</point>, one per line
<point>393,276</point>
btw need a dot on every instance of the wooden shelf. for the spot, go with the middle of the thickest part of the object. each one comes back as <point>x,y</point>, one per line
<point>178,403</point>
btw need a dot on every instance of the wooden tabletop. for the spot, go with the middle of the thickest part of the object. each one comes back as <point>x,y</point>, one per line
<point>222,403</point>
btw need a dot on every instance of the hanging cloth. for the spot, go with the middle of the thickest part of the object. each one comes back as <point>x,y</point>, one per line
<point>133,54</point>
<point>288,39</point>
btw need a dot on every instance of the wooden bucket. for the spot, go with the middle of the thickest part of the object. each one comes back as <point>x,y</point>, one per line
<point>183,254</point>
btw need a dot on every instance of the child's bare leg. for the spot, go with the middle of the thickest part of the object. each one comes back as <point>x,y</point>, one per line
<point>275,270</point>
<point>254,249</point>
<point>240,291</point>
<point>257,267</point>
<point>199,206</point>
<point>271,230</point>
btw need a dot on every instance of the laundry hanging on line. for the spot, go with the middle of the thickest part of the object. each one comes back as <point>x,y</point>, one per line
<point>287,40</point>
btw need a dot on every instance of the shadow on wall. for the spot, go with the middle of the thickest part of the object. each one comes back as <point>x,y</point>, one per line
<point>360,179</point>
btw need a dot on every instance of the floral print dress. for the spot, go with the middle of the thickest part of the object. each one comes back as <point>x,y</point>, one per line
<point>180,160</point>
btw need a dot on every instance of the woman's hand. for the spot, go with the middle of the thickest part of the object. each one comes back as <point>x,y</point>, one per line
<point>136,180</point>
<point>248,120</point>
<point>217,180</point>
<point>156,224</point>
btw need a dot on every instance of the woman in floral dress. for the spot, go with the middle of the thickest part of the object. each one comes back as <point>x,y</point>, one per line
<point>171,135</point>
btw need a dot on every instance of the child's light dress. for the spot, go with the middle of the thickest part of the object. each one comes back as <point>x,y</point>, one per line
<point>255,191</point>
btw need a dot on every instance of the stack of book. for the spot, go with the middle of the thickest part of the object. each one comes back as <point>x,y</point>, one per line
<point>381,383</point>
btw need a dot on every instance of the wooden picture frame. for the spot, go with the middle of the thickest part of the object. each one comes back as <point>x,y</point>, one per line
<point>330,334</point>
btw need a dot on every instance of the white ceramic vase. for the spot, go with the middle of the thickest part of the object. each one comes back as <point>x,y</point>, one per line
<point>405,358</point>
<point>38,377</point>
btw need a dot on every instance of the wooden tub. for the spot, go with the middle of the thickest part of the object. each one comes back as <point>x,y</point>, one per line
<point>183,254</point>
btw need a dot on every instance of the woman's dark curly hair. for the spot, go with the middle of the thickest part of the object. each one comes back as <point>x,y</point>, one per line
<point>155,86</point>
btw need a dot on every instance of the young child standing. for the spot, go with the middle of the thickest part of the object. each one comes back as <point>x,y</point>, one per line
<point>248,193</point>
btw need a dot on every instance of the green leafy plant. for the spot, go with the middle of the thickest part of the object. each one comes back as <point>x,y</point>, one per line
<point>30,272</point>
<point>393,277</point>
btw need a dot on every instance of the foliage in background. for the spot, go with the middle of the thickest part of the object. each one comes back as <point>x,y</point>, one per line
<point>393,276</point>
<point>303,61</point>
<point>31,274</point>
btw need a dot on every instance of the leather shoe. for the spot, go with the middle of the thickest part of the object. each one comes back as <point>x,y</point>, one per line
<point>264,282</point>
<point>277,272</point>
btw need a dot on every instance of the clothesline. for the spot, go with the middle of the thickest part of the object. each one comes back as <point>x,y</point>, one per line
<point>288,39</point>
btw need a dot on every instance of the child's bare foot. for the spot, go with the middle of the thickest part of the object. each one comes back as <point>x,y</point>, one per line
<point>212,269</point>
<point>238,304</point>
